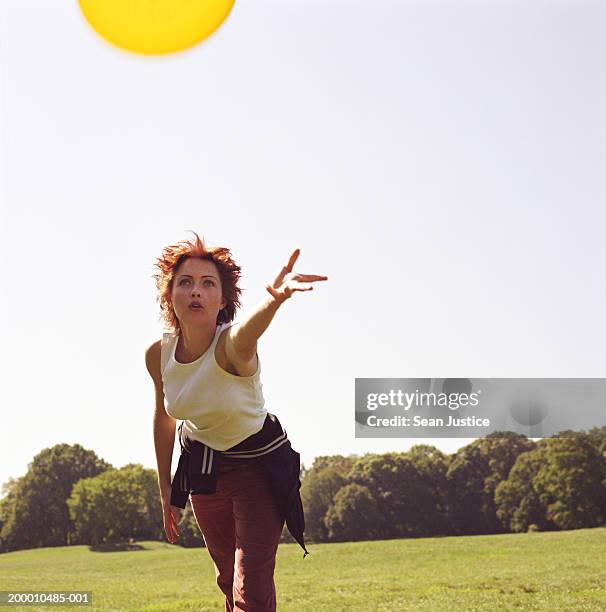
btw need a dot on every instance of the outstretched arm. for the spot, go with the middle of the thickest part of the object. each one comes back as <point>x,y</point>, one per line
<point>241,345</point>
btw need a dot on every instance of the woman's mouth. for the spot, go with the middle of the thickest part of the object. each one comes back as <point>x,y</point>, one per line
<point>195,307</point>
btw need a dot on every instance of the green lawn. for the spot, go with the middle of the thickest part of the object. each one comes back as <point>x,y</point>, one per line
<point>538,571</point>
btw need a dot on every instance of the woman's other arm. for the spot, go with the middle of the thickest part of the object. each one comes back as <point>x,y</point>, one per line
<point>164,441</point>
<point>164,425</point>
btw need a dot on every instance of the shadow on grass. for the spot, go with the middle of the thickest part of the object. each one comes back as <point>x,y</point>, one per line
<point>115,547</point>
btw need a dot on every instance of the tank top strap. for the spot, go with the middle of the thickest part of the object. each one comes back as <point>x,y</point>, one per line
<point>218,332</point>
<point>166,346</point>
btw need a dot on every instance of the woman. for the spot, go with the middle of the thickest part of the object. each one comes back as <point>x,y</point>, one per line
<point>236,466</point>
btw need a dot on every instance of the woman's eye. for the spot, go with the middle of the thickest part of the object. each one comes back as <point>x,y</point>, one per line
<point>185,280</point>
<point>209,282</point>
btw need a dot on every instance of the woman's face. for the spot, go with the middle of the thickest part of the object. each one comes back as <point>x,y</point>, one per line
<point>197,280</point>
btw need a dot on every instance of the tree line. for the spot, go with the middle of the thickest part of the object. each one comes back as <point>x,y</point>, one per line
<point>501,483</point>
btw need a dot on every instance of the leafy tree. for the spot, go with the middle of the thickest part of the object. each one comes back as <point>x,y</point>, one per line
<point>151,510</point>
<point>598,436</point>
<point>10,491</point>
<point>116,505</point>
<point>517,502</point>
<point>319,484</point>
<point>340,463</point>
<point>403,493</point>
<point>432,466</point>
<point>35,512</point>
<point>474,473</point>
<point>354,515</point>
<point>571,482</point>
<point>317,492</point>
<point>561,484</point>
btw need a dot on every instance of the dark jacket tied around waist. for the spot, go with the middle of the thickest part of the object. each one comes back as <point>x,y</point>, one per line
<point>198,470</point>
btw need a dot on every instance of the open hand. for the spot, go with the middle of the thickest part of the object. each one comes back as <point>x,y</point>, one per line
<point>287,281</point>
<point>171,517</point>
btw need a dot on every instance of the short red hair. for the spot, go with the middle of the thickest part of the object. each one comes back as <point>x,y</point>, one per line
<point>168,264</point>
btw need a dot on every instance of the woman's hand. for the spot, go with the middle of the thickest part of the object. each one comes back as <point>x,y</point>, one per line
<point>171,516</point>
<point>287,281</point>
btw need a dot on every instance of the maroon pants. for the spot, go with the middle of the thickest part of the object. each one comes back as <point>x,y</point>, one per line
<point>242,525</point>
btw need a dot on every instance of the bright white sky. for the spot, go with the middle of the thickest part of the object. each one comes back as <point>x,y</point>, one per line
<point>442,163</point>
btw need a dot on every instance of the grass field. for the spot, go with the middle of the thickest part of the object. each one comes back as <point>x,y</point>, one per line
<point>538,571</point>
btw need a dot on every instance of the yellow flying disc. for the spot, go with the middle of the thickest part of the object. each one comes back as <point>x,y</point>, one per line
<point>154,27</point>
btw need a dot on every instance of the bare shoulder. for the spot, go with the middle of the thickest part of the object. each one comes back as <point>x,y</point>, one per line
<point>152,361</point>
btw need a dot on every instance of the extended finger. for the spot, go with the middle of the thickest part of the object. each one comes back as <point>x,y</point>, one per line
<point>176,518</point>
<point>287,268</point>
<point>172,529</point>
<point>310,277</point>
<point>292,259</point>
<point>170,536</point>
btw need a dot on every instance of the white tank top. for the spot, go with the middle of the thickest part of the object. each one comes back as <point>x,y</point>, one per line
<point>218,409</point>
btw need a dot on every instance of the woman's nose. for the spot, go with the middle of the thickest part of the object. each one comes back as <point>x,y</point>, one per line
<point>197,289</point>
